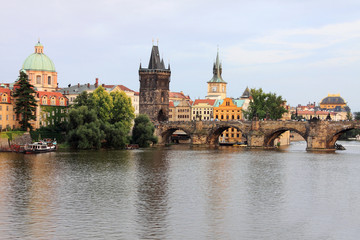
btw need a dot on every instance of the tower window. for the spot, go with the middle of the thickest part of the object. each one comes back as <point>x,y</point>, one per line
<point>38,79</point>
<point>49,80</point>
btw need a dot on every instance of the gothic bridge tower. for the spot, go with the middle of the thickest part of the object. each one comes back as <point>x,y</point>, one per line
<point>154,88</point>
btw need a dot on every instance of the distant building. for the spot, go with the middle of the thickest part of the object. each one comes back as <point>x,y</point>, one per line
<point>203,109</point>
<point>179,107</point>
<point>40,70</point>
<point>71,92</point>
<point>216,86</point>
<point>154,88</point>
<point>7,113</point>
<point>229,109</point>
<point>333,102</point>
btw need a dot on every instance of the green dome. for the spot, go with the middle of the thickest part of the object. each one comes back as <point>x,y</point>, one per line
<point>38,61</point>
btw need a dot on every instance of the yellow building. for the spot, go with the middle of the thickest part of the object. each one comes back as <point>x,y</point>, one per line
<point>40,70</point>
<point>7,113</point>
<point>216,86</point>
<point>229,110</point>
<point>333,102</point>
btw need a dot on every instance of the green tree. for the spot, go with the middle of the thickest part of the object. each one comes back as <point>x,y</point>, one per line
<point>83,99</point>
<point>84,129</point>
<point>25,103</point>
<point>102,103</point>
<point>112,113</point>
<point>265,105</point>
<point>357,115</point>
<point>143,131</point>
<point>122,111</point>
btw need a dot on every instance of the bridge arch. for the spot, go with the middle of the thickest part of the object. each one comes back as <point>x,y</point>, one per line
<point>167,133</point>
<point>214,134</point>
<point>270,137</point>
<point>331,140</point>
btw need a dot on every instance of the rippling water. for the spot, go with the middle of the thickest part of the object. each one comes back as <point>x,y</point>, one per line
<point>181,193</point>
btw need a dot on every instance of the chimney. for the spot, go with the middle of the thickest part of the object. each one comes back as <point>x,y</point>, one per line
<point>96,82</point>
<point>103,85</point>
<point>88,85</point>
<point>78,85</point>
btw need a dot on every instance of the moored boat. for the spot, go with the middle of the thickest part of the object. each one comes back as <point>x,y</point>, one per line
<point>39,147</point>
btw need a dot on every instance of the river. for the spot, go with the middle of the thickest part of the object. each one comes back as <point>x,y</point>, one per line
<point>182,192</point>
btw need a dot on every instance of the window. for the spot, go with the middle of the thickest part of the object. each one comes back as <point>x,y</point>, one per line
<point>4,97</point>
<point>38,79</point>
<point>44,100</point>
<point>0,117</point>
<point>7,108</point>
<point>49,80</point>
<point>53,101</point>
<point>7,117</point>
<point>0,108</point>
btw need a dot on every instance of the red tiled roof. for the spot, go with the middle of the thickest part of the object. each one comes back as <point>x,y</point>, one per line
<point>211,102</point>
<point>7,92</point>
<point>50,95</point>
<point>171,104</point>
<point>178,95</point>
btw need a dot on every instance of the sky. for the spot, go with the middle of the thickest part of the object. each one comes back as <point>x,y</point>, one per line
<point>299,49</point>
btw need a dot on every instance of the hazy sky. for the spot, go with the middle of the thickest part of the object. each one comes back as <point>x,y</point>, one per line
<point>301,49</point>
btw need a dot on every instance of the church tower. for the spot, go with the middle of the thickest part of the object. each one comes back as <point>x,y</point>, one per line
<point>216,86</point>
<point>41,70</point>
<point>154,88</point>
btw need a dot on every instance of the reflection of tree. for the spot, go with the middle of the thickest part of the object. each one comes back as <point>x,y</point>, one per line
<point>152,201</point>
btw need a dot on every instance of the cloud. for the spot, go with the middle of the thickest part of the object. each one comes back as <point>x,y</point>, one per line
<point>290,44</point>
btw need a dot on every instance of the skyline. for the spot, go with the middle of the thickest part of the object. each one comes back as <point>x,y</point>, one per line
<point>299,50</point>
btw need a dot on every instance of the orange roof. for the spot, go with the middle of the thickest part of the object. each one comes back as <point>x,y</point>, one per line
<point>171,104</point>
<point>50,94</point>
<point>178,95</point>
<point>211,102</point>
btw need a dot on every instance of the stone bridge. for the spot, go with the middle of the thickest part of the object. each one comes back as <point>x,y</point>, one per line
<point>319,135</point>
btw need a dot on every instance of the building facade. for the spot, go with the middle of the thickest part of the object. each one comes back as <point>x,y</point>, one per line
<point>154,88</point>
<point>229,110</point>
<point>202,109</point>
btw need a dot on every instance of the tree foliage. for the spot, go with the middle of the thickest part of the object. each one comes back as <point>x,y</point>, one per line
<point>357,115</point>
<point>100,119</point>
<point>25,103</point>
<point>143,131</point>
<point>265,105</point>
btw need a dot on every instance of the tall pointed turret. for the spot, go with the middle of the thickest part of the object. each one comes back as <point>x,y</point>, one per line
<point>154,88</point>
<point>216,85</point>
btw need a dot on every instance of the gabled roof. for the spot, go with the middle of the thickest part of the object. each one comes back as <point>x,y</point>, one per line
<point>237,102</point>
<point>7,92</point>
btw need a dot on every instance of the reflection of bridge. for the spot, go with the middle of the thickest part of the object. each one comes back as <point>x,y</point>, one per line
<point>319,135</point>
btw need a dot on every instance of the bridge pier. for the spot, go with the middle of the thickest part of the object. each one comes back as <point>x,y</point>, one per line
<point>256,139</point>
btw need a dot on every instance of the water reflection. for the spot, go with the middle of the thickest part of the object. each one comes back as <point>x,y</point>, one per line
<point>181,193</point>
<point>152,194</point>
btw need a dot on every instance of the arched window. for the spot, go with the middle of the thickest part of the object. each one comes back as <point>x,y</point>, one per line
<point>53,101</point>
<point>44,100</point>
<point>62,102</point>
<point>4,97</point>
<point>49,80</point>
<point>38,79</point>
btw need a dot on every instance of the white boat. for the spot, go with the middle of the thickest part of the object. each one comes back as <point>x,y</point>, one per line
<point>39,147</point>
